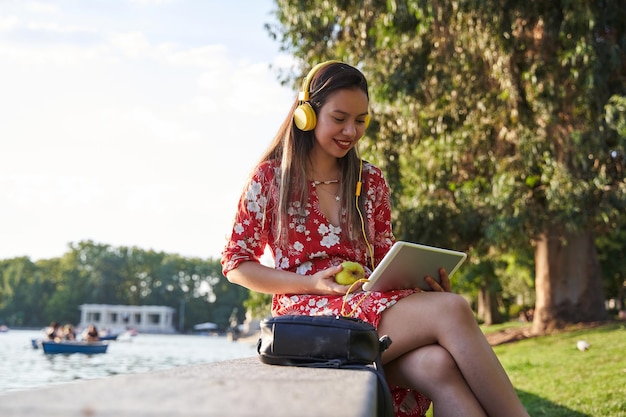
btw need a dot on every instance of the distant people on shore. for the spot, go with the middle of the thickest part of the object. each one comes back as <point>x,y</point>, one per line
<point>91,334</point>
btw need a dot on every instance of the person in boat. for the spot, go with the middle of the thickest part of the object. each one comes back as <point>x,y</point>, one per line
<point>53,332</point>
<point>300,201</point>
<point>91,334</point>
<point>68,332</point>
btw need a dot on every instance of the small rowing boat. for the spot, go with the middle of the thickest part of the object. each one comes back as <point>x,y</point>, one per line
<point>74,347</point>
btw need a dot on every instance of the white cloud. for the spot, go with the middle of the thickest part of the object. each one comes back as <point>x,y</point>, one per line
<point>55,27</point>
<point>40,7</point>
<point>205,105</point>
<point>60,55</point>
<point>151,2</point>
<point>132,44</point>
<point>133,137</point>
<point>207,56</point>
<point>9,23</point>
<point>136,45</point>
<point>160,127</point>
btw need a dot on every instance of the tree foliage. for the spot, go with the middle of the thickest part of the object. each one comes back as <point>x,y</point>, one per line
<point>497,125</point>
<point>33,294</point>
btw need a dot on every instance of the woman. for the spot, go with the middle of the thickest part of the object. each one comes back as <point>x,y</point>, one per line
<point>68,332</point>
<point>53,332</point>
<point>316,204</point>
<point>91,334</point>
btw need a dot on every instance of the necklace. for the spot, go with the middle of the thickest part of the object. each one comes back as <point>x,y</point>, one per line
<point>327,182</point>
<point>315,182</point>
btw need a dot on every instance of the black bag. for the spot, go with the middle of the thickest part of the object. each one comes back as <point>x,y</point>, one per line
<point>326,342</point>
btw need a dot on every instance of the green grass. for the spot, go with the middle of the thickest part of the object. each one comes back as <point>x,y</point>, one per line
<point>554,379</point>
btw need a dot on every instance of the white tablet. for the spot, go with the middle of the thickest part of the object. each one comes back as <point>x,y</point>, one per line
<point>406,264</point>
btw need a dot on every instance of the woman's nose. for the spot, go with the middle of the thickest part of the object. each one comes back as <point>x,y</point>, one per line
<point>349,129</point>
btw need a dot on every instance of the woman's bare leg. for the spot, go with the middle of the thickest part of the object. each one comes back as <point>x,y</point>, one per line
<point>432,371</point>
<point>446,319</point>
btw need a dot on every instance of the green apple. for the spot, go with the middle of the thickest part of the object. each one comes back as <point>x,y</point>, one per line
<point>351,272</point>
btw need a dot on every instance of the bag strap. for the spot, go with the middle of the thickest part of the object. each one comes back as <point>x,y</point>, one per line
<point>385,403</point>
<point>384,400</point>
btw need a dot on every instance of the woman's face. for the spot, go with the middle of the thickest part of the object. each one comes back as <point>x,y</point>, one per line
<point>340,122</point>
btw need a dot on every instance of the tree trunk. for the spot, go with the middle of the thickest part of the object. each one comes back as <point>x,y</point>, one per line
<point>488,306</point>
<point>568,281</point>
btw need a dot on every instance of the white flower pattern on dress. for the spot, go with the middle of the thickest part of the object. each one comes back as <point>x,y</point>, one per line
<point>252,232</point>
<point>330,235</point>
<point>304,268</point>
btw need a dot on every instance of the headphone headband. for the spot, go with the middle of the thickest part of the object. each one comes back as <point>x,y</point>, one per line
<point>304,115</point>
<point>306,83</point>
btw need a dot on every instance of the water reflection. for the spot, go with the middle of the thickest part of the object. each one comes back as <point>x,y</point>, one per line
<point>21,366</point>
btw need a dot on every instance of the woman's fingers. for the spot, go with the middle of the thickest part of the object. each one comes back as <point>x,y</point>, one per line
<point>444,286</point>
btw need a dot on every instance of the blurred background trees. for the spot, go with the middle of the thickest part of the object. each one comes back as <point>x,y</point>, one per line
<point>500,129</point>
<point>34,293</point>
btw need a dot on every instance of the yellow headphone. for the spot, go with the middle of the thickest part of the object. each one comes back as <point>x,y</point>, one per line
<point>304,116</point>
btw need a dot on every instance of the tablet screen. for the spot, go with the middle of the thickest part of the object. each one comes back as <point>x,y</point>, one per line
<point>406,264</point>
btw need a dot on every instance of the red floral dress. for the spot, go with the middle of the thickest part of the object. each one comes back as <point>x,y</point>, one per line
<point>316,245</point>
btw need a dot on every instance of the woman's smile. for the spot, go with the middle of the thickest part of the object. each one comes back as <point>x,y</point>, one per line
<point>344,144</point>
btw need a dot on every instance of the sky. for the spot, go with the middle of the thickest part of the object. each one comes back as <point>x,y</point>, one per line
<point>132,122</point>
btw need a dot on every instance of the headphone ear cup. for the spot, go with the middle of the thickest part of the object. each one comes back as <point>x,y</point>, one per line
<point>368,119</point>
<point>304,117</point>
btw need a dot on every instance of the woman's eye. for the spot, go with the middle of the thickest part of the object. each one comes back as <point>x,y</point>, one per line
<point>338,119</point>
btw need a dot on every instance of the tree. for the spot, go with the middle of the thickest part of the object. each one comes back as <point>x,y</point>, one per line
<point>566,76</point>
<point>22,294</point>
<point>33,294</point>
<point>62,302</point>
<point>490,124</point>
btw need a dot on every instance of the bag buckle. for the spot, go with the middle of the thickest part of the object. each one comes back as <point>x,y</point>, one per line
<point>385,342</point>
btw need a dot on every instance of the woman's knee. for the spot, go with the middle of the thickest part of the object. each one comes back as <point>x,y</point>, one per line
<point>457,307</point>
<point>438,364</point>
<point>426,369</point>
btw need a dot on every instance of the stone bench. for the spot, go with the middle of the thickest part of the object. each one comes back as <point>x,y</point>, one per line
<point>241,387</point>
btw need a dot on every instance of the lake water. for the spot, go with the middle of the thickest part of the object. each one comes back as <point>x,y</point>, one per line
<point>22,367</point>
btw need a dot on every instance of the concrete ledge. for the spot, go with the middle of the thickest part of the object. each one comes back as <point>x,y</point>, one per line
<point>241,388</point>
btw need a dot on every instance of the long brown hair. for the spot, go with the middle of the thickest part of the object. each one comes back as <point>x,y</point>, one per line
<point>292,146</point>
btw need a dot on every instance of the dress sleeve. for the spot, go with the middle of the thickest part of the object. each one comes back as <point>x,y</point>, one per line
<point>378,207</point>
<point>251,226</point>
